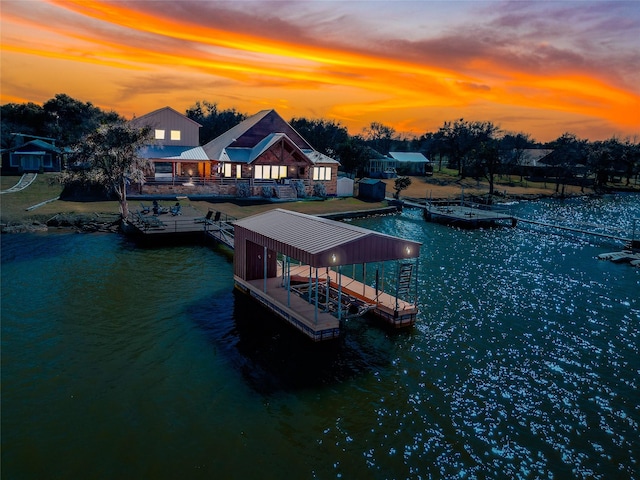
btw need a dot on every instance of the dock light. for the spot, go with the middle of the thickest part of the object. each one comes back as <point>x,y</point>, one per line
<point>408,250</point>
<point>333,258</point>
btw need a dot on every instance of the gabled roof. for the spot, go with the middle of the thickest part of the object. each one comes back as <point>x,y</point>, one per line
<point>251,132</point>
<point>532,157</point>
<point>146,116</point>
<point>323,242</point>
<point>317,157</point>
<point>35,144</point>
<point>409,157</point>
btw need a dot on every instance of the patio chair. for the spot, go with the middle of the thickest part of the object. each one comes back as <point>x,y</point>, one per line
<point>206,218</point>
<point>176,210</point>
<point>145,209</point>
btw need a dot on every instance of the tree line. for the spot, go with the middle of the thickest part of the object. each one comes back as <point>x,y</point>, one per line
<point>478,149</point>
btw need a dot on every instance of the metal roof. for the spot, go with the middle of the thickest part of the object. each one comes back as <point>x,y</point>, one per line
<point>323,242</point>
<point>163,151</point>
<point>196,153</point>
<point>409,157</point>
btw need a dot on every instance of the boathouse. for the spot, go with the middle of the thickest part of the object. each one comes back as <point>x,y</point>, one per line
<point>295,265</point>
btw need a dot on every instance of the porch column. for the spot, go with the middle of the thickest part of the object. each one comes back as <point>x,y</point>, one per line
<point>265,269</point>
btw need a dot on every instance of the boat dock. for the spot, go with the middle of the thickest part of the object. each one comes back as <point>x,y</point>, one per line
<point>188,223</point>
<point>293,263</point>
<point>464,214</point>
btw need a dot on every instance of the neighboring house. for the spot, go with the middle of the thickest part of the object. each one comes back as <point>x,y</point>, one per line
<point>380,166</point>
<point>32,156</point>
<point>371,189</point>
<point>264,150</point>
<point>531,162</point>
<point>175,153</point>
<point>411,163</point>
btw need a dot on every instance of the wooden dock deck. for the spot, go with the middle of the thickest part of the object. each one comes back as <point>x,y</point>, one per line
<point>190,223</point>
<point>464,214</point>
<point>391,309</point>
<point>316,324</point>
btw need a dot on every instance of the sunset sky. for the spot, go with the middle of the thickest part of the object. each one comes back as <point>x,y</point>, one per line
<point>544,67</point>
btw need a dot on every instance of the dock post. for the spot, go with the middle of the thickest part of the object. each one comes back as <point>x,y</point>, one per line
<point>397,283</point>
<point>315,310</point>
<point>339,292</point>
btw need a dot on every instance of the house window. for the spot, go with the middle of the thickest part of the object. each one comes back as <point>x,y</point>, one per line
<point>159,134</point>
<point>322,173</point>
<point>270,172</point>
<point>175,134</point>
<point>226,170</point>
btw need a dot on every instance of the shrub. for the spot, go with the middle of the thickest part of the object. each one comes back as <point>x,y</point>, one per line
<point>299,186</point>
<point>243,190</point>
<point>319,190</point>
<point>267,191</point>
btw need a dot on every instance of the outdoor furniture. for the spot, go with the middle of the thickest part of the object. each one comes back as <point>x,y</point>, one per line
<point>207,217</point>
<point>145,209</point>
<point>176,210</point>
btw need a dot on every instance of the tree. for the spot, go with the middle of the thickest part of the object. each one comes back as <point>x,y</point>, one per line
<point>214,122</point>
<point>379,136</point>
<point>400,183</point>
<point>111,152</point>
<point>68,119</point>
<point>513,147</point>
<point>568,152</point>
<point>354,156</point>
<point>326,136</point>
<point>23,118</point>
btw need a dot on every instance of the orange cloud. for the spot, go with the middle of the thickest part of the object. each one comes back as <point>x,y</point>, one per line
<point>256,62</point>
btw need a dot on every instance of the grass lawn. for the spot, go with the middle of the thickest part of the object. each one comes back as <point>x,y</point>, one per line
<point>13,206</point>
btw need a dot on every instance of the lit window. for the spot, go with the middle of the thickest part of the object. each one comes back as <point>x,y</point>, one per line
<point>159,134</point>
<point>322,173</point>
<point>175,134</point>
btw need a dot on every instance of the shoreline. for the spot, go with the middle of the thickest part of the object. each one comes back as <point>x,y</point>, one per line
<point>71,216</point>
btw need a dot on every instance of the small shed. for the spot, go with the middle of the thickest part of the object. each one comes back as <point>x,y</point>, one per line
<point>372,189</point>
<point>345,187</point>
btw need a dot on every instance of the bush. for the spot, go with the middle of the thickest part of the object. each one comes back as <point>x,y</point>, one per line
<point>300,190</point>
<point>267,191</point>
<point>243,190</point>
<point>319,190</point>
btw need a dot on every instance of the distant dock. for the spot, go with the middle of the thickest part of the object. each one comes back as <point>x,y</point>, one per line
<point>464,214</point>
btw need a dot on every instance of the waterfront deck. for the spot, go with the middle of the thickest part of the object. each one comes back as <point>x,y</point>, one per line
<point>317,325</point>
<point>390,308</point>
<point>189,223</point>
<point>464,214</point>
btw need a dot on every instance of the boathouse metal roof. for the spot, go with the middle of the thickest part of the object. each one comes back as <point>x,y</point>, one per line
<point>320,242</point>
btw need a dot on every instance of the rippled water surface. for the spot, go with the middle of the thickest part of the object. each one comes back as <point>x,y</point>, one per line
<point>122,362</point>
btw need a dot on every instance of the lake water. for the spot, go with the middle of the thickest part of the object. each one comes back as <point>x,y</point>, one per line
<point>123,362</point>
